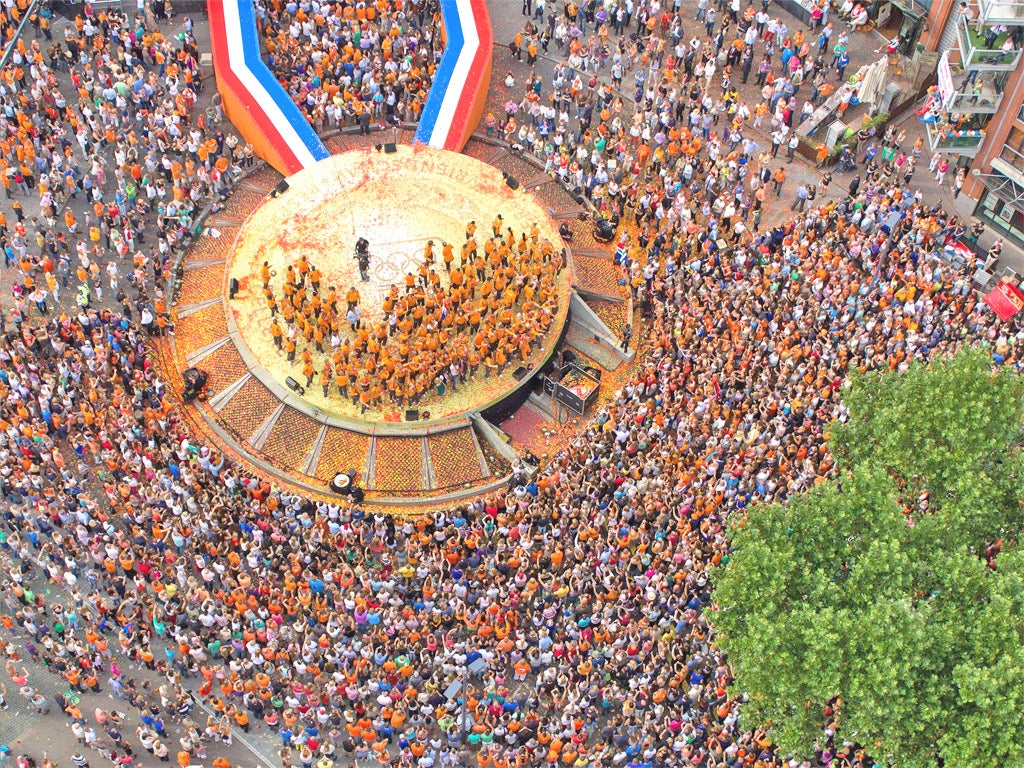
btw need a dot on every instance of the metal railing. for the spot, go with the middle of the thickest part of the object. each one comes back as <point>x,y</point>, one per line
<point>974,57</point>
<point>26,15</point>
<point>1001,11</point>
<point>975,103</point>
<point>946,139</point>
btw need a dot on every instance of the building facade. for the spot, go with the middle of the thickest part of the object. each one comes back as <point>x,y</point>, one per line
<point>976,114</point>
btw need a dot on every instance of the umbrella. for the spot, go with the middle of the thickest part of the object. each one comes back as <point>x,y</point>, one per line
<point>873,82</point>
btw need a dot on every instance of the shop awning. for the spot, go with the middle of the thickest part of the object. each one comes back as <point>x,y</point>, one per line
<point>1006,182</point>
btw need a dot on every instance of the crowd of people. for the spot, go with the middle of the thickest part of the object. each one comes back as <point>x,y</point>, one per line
<point>568,621</point>
<point>643,99</point>
<point>103,132</point>
<point>354,63</point>
<point>584,591</point>
<point>457,317</point>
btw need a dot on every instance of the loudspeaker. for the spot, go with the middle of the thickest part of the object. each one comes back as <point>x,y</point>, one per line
<point>604,231</point>
<point>518,373</point>
<point>510,181</point>
<point>294,386</point>
<point>340,484</point>
<point>232,288</point>
<point>412,414</point>
<point>390,148</point>
<point>357,495</point>
<point>280,189</point>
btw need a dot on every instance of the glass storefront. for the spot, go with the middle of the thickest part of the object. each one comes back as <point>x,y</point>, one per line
<point>1003,217</point>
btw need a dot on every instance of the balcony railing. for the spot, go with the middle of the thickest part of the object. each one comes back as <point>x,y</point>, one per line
<point>974,104</point>
<point>943,138</point>
<point>1002,11</point>
<point>975,56</point>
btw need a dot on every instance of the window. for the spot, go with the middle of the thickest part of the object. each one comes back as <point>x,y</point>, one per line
<point>1013,152</point>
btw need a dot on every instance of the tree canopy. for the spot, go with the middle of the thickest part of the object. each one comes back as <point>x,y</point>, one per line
<point>897,585</point>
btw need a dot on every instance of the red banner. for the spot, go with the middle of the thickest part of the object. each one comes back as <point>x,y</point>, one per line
<point>961,250</point>
<point>1006,300</point>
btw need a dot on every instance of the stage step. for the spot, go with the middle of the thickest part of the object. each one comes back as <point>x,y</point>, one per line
<point>602,353</point>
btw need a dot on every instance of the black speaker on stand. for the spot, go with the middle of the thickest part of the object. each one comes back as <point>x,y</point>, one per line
<point>280,189</point>
<point>510,181</point>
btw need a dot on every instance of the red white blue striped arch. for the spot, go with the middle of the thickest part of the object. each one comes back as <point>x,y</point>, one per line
<point>254,100</point>
<point>461,79</point>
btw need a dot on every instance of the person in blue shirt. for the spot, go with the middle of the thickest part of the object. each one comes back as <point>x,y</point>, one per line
<point>841,63</point>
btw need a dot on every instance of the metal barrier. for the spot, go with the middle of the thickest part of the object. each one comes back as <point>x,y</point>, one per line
<point>29,12</point>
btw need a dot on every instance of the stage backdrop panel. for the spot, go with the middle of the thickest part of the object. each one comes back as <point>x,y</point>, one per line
<point>457,97</point>
<point>254,100</point>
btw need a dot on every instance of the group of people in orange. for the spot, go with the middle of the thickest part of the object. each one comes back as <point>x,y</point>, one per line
<point>492,307</point>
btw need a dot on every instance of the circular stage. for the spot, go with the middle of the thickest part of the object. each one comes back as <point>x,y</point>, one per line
<point>326,446</point>
<point>415,315</point>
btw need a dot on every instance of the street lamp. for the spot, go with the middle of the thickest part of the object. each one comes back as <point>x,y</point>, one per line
<point>475,665</point>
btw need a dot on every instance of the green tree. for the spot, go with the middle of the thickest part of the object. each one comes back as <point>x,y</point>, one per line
<point>881,586</point>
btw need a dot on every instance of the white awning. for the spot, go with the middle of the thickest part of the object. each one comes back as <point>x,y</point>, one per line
<point>1006,182</point>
